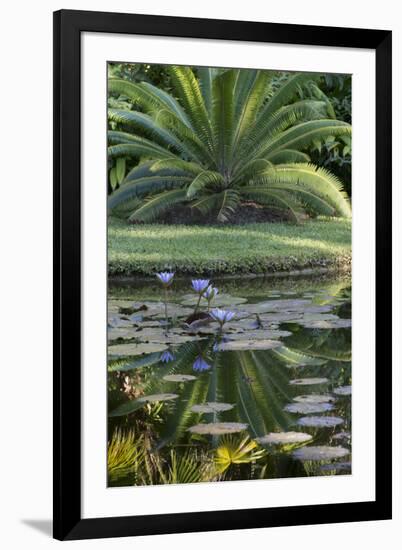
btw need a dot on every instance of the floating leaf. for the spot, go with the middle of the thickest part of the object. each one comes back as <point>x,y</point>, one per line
<point>179,377</point>
<point>287,306</point>
<point>284,438</point>
<point>322,452</point>
<point>308,381</point>
<point>343,390</point>
<point>308,408</point>
<point>212,407</point>
<point>247,345</point>
<point>319,421</point>
<point>127,350</point>
<point>159,335</point>
<point>218,428</point>
<point>115,321</point>
<point>120,333</point>
<point>219,300</point>
<point>314,398</point>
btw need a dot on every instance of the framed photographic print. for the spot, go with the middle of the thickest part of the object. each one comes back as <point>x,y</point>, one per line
<point>218,225</point>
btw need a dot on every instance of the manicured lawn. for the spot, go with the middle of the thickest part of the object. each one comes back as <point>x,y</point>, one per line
<point>253,248</point>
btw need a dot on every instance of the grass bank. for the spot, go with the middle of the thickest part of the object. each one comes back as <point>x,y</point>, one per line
<point>251,248</point>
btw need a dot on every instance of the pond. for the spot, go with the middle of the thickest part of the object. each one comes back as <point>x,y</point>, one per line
<point>266,395</point>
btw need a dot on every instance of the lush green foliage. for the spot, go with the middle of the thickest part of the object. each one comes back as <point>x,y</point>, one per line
<point>254,248</point>
<point>221,138</point>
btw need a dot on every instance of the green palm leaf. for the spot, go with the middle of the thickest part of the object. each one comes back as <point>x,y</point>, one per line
<point>202,180</point>
<point>157,204</point>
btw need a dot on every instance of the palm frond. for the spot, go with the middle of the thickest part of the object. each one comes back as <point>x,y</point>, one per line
<point>228,204</point>
<point>206,77</point>
<point>317,180</point>
<point>148,97</point>
<point>145,186</point>
<point>287,156</point>
<point>202,180</point>
<point>176,165</point>
<point>304,134</point>
<point>235,450</point>
<point>249,103</point>
<point>124,454</point>
<point>223,117</point>
<point>139,147</point>
<point>274,197</point>
<point>286,92</point>
<point>157,204</point>
<point>252,169</point>
<point>189,93</point>
<point>146,124</point>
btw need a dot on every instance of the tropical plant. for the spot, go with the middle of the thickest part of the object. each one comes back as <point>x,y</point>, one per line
<point>125,454</point>
<point>188,467</point>
<point>235,450</point>
<point>228,138</point>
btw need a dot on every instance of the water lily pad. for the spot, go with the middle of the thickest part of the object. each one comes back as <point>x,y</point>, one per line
<point>116,306</point>
<point>179,377</point>
<point>308,381</point>
<point>308,408</point>
<point>174,310</point>
<point>287,306</point>
<point>116,321</point>
<point>218,428</point>
<point>320,421</point>
<point>159,335</point>
<point>212,407</point>
<point>284,438</point>
<point>120,333</point>
<point>314,398</point>
<point>127,350</point>
<point>239,345</point>
<point>221,300</point>
<point>321,452</point>
<point>343,390</point>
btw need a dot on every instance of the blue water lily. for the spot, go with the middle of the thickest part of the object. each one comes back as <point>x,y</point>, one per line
<point>165,277</point>
<point>222,316</point>
<point>200,364</point>
<point>200,285</point>
<point>166,356</point>
<point>210,293</point>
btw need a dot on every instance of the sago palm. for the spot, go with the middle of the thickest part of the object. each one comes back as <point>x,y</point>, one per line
<point>228,138</point>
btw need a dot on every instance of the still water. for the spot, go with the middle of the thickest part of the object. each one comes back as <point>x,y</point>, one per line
<point>268,395</point>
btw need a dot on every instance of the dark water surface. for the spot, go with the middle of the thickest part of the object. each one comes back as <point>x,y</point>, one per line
<point>267,397</point>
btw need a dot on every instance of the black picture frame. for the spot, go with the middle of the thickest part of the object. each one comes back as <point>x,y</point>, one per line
<point>68,26</point>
